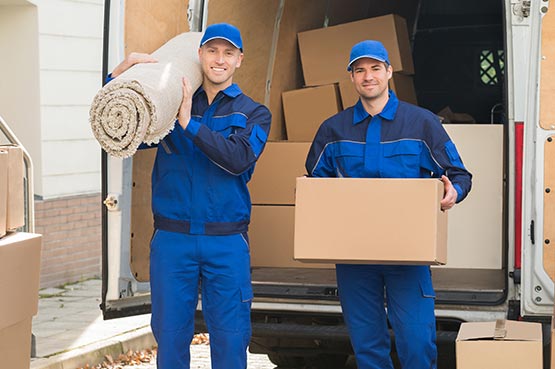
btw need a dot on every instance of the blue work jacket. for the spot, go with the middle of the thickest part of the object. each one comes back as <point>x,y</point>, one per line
<point>199,179</point>
<point>403,141</point>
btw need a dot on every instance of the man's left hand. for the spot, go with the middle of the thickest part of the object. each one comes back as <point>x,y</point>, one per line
<point>449,194</point>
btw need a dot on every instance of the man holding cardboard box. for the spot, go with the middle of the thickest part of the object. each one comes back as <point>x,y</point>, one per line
<point>202,207</point>
<point>382,137</point>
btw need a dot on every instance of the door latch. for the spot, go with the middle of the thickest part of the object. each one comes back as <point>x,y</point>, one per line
<point>112,202</point>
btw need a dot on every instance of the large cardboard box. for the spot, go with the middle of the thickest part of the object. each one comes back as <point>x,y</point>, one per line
<point>3,191</point>
<point>325,51</point>
<point>503,344</point>
<point>271,238</point>
<point>19,288</point>
<point>366,220</point>
<point>273,181</point>
<point>401,84</point>
<point>305,110</point>
<point>15,216</point>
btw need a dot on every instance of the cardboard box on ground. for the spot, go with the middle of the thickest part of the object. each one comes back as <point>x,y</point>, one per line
<point>503,344</point>
<point>375,220</point>
<point>19,287</point>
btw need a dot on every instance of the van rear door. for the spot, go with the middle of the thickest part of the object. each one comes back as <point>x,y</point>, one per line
<point>538,185</point>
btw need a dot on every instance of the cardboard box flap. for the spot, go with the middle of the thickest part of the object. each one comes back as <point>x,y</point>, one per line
<point>507,330</point>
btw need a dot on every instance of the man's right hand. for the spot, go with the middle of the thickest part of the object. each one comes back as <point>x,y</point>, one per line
<point>131,60</point>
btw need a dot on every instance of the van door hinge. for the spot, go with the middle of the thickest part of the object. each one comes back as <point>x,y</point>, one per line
<point>112,202</point>
<point>521,9</point>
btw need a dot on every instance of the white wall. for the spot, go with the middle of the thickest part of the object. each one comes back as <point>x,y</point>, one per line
<point>70,57</point>
<point>50,70</point>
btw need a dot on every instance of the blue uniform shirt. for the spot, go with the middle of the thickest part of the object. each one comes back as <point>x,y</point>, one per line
<point>403,141</point>
<point>199,179</point>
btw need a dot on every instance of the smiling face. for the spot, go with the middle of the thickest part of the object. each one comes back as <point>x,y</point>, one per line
<point>370,78</point>
<point>219,59</point>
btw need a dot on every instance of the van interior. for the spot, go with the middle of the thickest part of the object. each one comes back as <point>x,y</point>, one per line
<point>459,57</point>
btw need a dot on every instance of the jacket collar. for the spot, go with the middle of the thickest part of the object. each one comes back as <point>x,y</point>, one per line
<point>388,112</point>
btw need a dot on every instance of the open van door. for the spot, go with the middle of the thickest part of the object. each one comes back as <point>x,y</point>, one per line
<point>538,184</point>
<point>133,26</point>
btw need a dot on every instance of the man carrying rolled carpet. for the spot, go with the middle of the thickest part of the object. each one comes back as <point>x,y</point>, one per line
<point>202,206</point>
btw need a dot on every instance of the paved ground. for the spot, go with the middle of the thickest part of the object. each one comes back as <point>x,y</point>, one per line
<point>70,332</point>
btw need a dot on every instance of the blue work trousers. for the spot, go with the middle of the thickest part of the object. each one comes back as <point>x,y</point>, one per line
<point>178,262</point>
<point>410,309</point>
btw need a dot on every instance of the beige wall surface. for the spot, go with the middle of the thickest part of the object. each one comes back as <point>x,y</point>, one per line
<point>47,88</point>
<point>19,77</point>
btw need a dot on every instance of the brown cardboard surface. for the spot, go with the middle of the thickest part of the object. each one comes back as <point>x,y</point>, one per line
<point>19,262</point>
<point>142,224</point>
<point>15,213</point>
<point>307,108</point>
<point>3,190</point>
<point>502,344</point>
<point>325,51</point>
<point>149,24</point>
<point>271,238</point>
<point>549,207</point>
<point>364,220</point>
<point>401,84</point>
<point>273,181</point>
<point>287,74</point>
<point>15,345</point>
<point>547,68</point>
<point>257,21</point>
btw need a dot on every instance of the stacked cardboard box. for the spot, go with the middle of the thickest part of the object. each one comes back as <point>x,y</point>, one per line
<point>11,189</point>
<point>272,190</point>
<point>324,56</point>
<point>19,287</point>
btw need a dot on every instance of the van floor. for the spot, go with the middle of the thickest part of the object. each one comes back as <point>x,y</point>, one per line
<point>468,286</point>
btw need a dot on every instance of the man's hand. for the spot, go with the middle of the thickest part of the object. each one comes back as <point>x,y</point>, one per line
<point>131,60</point>
<point>449,194</point>
<point>185,108</point>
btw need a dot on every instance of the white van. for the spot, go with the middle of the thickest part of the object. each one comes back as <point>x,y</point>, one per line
<point>491,62</point>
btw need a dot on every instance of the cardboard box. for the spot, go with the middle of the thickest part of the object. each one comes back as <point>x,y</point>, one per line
<point>273,181</point>
<point>15,216</point>
<point>401,84</point>
<point>19,288</point>
<point>503,344</point>
<point>307,108</point>
<point>325,51</point>
<point>271,238</point>
<point>3,191</point>
<point>366,220</point>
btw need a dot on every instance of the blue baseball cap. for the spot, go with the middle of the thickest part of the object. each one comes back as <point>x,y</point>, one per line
<point>368,49</point>
<point>223,31</point>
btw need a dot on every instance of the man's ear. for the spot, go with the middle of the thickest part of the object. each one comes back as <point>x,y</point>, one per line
<point>239,60</point>
<point>389,72</point>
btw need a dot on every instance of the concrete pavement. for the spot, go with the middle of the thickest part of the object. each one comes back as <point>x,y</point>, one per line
<point>70,331</point>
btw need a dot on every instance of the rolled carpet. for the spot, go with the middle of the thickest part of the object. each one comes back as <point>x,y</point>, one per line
<point>142,103</point>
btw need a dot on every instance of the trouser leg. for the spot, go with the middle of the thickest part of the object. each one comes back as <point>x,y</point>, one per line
<point>226,298</point>
<point>174,277</point>
<point>410,307</point>
<point>361,292</point>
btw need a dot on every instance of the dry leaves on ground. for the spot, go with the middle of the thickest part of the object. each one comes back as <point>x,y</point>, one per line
<point>136,358</point>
